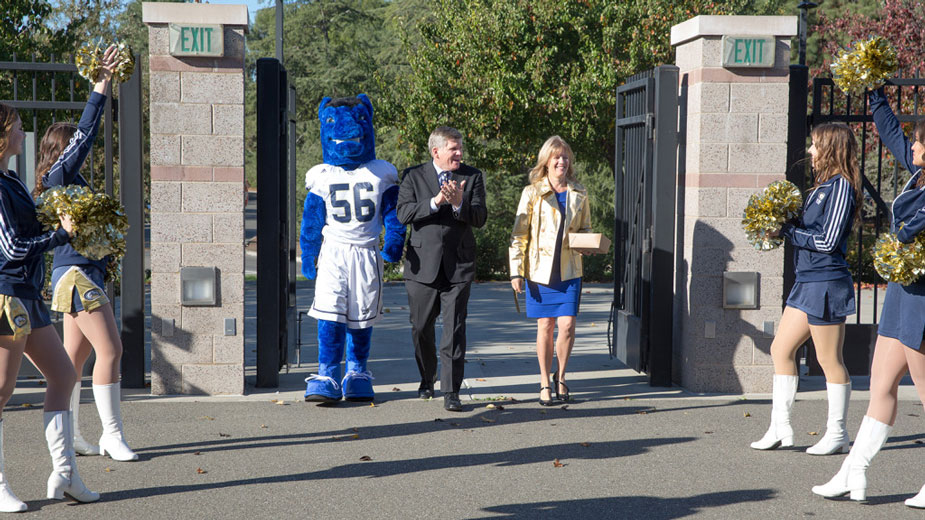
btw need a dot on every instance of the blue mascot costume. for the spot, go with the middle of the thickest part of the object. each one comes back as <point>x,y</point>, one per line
<point>349,198</point>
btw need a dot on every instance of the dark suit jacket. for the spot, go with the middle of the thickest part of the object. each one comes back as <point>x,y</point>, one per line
<point>441,237</point>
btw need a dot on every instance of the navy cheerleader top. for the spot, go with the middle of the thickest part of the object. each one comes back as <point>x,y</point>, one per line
<point>909,206</point>
<point>821,236</point>
<point>22,241</point>
<point>66,171</point>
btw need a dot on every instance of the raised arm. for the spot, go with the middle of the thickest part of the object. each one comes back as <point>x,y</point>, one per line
<point>891,133</point>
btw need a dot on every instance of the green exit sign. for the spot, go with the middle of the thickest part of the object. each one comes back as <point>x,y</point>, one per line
<point>748,51</point>
<point>196,40</point>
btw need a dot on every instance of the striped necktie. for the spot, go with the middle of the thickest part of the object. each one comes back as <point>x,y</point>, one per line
<point>443,177</point>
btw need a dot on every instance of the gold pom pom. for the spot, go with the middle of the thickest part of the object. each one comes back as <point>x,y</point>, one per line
<point>867,66</point>
<point>99,220</point>
<point>765,212</point>
<point>89,61</point>
<point>127,64</point>
<point>898,262</point>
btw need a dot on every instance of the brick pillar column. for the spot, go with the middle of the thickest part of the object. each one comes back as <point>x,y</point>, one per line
<point>197,202</point>
<point>736,143</point>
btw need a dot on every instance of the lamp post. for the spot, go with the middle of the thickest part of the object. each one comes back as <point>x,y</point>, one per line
<point>279,30</point>
<point>804,7</point>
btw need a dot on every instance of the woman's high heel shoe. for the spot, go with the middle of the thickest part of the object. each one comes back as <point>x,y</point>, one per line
<point>562,396</point>
<point>546,402</point>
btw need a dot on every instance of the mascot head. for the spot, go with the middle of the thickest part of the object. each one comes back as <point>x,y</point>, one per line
<point>347,137</point>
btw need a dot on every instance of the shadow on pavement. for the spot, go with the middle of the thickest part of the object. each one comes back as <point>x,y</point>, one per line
<point>650,508</point>
<point>375,469</point>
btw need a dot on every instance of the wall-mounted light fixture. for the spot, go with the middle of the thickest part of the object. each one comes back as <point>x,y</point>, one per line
<point>740,290</point>
<point>198,286</point>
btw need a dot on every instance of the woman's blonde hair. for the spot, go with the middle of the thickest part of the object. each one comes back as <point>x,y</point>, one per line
<point>555,145</point>
<point>8,116</point>
<point>837,154</point>
<point>53,143</point>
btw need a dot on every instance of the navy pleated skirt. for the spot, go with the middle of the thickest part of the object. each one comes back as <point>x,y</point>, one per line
<point>903,315</point>
<point>825,303</point>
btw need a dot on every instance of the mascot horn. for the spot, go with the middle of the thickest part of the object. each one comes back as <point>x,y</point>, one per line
<point>350,196</point>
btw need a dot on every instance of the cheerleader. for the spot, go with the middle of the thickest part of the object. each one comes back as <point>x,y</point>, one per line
<point>25,325</point>
<point>899,337</point>
<point>823,295</point>
<point>89,322</point>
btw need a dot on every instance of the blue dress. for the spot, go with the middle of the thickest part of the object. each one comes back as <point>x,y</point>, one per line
<point>558,298</point>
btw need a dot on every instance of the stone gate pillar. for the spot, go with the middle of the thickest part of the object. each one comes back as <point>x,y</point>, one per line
<point>736,143</point>
<point>197,202</point>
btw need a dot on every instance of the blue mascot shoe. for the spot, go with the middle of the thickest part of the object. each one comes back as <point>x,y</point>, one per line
<point>358,386</point>
<point>323,387</point>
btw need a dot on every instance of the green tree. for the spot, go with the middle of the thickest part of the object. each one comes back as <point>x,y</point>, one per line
<point>511,73</point>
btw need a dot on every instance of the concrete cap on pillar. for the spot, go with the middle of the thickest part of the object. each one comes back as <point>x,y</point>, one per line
<point>169,12</point>
<point>699,26</point>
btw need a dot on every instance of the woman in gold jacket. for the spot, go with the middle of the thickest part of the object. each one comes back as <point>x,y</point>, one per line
<point>551,206</point>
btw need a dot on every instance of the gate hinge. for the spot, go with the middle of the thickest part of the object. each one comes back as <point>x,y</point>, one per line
<point>650,125</point>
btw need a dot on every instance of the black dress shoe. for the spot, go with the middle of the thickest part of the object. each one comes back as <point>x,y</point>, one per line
<point>451,402</point>
<point>426,393</point>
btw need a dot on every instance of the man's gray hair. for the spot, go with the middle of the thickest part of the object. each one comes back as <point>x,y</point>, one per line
<point>441,135</point>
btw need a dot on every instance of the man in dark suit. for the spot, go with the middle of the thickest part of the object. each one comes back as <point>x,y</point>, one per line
<point>442,201</point>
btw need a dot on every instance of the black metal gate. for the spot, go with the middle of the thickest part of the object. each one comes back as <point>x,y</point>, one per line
<point>829,104</point>
<point>276,210</point>
<point>47,92</point>
<point>644,208</point>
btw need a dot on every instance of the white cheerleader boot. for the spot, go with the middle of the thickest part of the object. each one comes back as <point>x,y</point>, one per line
<point>8,501</point>
<point>81,447</point>
<point>918,500</point>
<point>64,479</point>
<point>836,438</point>
<point>852,477</point>
<point>112,442</point>
<point>780,433</point>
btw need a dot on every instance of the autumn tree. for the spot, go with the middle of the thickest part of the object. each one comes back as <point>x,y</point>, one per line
<point>511,73</point>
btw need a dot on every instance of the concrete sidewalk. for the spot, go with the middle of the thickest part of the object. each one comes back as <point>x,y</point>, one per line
<point>621,450</point>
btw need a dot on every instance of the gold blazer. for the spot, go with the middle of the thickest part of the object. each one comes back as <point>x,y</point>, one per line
<point>536,226</point>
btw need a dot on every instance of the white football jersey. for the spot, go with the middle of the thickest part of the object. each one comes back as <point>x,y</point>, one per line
<point>353,199</point>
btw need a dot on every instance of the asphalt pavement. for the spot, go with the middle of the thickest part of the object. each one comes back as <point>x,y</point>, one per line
<point>620,449</point>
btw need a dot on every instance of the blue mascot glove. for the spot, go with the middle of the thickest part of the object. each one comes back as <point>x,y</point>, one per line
<point>313,217</point>
<point>394,230</point>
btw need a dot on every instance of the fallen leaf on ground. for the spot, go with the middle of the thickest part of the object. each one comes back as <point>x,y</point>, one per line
<point>201,471</point>
<point>263,426</point>
<point>920,442</point>
<point>27,405</point>
<point>355,436</point>
<point>642,412</point>
<point>207,418</point>
<point>485,419</point>
<point>438,420</point>
<point>557,464</point>
<point>220,434</point>
<point>372,405</point>
<point>490,406</point>
<point>195,453</point>
<point>386,310</point>
<point>747,414</point>
<point>912,414</point>
<point>41,382</point>
<point>592,323</point>
<point>585,444</point>
<point>480,379</point>
<point>454,424</point>
<point>814,433</point>
<point>564,407</point>
<point>396,389</point>
<point>366,458</point>
<point>708,432</point>
<point>355,430</point>
<point>108,470</point>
